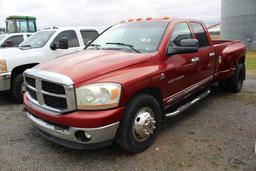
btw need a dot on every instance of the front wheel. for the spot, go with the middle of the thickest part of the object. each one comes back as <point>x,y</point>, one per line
<point>17,88</point>
<point>140,124</point>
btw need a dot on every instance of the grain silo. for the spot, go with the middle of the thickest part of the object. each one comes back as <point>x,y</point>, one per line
<point>238,21</point>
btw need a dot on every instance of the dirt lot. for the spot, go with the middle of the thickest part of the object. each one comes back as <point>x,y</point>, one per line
<point>218,133</point>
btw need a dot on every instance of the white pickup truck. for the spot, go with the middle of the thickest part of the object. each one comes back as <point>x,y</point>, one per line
<point>13,39</point>
<point>41,47</point>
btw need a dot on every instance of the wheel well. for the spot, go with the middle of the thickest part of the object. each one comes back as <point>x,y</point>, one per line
<point>20,69</point>
<point>241,60</point>
<point>156,93</point>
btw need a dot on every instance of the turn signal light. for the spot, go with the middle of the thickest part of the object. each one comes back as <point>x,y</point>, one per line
<point>138,19</point>
<point>130,20</point>
<point>166,18</point>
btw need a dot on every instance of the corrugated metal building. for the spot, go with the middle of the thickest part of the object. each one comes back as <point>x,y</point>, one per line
<point>238,21</point>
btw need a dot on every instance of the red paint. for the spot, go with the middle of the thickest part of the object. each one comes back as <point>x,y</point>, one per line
<point>80,119</point>
<point>136,72</point>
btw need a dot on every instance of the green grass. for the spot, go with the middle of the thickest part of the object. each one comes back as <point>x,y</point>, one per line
<point>251,60</point>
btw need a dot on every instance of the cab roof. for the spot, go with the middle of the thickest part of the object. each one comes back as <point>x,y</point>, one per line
<point>164,19</point>
<point>68,28</point>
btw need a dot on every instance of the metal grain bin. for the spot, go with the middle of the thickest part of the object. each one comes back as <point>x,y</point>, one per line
<point>238,21</point>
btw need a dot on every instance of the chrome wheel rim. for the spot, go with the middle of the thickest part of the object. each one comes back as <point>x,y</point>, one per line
<point>143,124</point>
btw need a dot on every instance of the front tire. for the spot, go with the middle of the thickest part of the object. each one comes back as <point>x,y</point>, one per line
<point>17,88</point>
<point>140,124</point>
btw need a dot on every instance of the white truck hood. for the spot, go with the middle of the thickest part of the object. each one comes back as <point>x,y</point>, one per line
<point>8,53</point>
<point>17,57</point>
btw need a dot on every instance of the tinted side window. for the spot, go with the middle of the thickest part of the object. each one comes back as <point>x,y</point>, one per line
<point>15,39</point>
<point>180,32</point>
<point>88,36</point>
<point>70,35</point>
<point>200,34</point>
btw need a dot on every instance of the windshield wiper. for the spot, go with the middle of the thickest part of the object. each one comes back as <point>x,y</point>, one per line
<point>25,46</point>
<point>93,45</point>
<point>123,44</point>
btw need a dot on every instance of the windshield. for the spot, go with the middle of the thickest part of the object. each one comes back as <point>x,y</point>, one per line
<point>137,36</point>
<point>38,39</point>
<point>2,36</point>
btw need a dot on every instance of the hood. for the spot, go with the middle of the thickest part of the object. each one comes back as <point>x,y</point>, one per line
<point>7,52</point>
<point>88,64</point>
<point>15,52</point>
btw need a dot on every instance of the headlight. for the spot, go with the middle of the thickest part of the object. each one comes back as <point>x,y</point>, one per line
<point>3,67</point>
<point>98,96</point>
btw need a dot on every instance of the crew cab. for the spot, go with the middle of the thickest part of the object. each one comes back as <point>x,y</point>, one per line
<point>127,81</point>
<point>41,47</point>
<point>12,39</point>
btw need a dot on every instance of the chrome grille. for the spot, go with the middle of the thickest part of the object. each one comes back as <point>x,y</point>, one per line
<point>46,90</point>
<point>53,88</point>
<point>55,102</point>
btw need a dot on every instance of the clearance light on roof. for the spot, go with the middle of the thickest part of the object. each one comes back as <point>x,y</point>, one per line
<point>149,18</point>
<point>130,20</point>
<point>138,19</point>
<point>166,18</point>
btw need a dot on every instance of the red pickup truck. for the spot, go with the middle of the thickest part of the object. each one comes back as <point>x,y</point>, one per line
<point>128,81</point>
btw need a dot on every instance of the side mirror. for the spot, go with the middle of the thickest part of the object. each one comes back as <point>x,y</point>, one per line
<point>9,43</point>
<point>186,46</point>
<point>63,43</point>
<point>53,46</point>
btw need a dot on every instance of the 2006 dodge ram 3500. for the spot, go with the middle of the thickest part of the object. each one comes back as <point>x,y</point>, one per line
<point>127,81</point>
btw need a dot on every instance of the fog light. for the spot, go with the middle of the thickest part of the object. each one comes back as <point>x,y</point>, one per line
<point>88,136</point>
<point>83,136</point>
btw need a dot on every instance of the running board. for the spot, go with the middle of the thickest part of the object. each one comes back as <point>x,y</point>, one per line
<point>188,104</point>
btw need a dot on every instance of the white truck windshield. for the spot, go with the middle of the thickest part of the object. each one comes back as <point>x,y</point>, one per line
<point>37,40</point>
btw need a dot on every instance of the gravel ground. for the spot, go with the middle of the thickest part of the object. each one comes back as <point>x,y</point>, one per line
<point>218,133</point>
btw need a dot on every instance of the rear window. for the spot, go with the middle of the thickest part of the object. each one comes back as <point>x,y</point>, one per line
<point>88,36</point>
<point>200,34</point>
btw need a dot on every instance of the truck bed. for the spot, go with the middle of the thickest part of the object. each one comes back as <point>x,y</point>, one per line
<point>226,51</point>
<point>225,47</point>
<point>220,45</point>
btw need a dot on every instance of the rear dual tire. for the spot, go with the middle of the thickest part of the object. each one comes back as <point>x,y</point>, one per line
<point>234,84</point>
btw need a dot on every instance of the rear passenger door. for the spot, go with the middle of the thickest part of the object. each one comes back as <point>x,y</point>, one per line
<point>88,36</point>
<point>206,54</point>
<point>73,43</point>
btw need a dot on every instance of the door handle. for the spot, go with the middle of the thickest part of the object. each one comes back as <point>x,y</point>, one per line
<point>195,59</point>
<point>212,54</point>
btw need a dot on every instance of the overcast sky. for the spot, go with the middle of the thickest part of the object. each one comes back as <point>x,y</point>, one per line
<point>106,12</point>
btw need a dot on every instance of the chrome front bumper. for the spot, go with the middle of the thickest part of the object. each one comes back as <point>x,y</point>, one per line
<point>68,136</point>
<point>5,81</point>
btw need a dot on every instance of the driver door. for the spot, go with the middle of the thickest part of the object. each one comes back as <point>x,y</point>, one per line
<point>73,44</point>
<point>180,69</point>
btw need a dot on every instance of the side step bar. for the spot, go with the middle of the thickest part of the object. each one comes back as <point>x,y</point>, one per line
<point>188,104</point>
